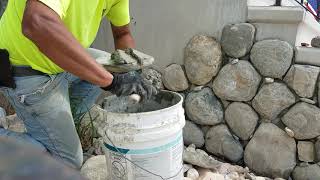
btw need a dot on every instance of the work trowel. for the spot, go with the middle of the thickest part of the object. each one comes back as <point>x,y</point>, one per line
<point>122,61</point>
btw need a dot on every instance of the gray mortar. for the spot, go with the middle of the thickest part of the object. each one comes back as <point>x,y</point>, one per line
<point>125,105</point>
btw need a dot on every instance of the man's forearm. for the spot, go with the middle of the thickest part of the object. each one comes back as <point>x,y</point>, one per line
<point>45,28</point>
<point>122,37</point>
<point>124,42</point>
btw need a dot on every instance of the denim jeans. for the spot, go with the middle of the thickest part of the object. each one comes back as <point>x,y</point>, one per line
<point>44,104</point>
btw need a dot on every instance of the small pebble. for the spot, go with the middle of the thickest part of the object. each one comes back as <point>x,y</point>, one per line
<point>135,98</point>
<point>304,164</point>
<point>193,174</point>
<point>289,132</point>
<point>269,80</point>
<point>306,100</point>
<point>198,88</point>
<point>234,61</point>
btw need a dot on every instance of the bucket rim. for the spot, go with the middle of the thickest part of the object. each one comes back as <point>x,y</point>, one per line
<point>149,112</point>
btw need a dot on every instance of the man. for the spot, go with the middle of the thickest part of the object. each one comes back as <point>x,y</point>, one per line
<point>45,40</point>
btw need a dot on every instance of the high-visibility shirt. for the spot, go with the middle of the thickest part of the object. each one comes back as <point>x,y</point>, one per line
<point>81,17</point>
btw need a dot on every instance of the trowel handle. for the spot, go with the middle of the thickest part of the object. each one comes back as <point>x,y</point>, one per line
<point>135,98</point>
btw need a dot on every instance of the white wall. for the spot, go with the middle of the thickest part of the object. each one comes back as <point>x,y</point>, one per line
<point>270,2</point>
<point>308,29</point>
<point>162,28</point>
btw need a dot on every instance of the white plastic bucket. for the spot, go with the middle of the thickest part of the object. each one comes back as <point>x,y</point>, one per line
<point>146,145</point>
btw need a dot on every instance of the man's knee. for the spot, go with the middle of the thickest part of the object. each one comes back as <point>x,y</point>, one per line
<point>77,161</point>
<point>73,159</point>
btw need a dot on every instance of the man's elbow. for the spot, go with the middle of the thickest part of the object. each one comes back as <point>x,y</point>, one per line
<point>32,25</point>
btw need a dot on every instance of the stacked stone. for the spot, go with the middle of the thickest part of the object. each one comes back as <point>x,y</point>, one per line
<point>249,103</point>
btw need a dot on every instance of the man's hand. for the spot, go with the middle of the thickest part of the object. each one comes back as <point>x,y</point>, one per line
<point>131,83</point>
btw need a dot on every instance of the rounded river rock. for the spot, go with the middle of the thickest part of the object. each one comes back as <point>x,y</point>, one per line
<point>203,107</point>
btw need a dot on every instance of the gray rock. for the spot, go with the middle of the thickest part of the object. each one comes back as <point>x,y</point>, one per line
<point>304,120</point>
<point>317,150</point>
<point>315,42</point>
<point>95,168</point>
<point>238,82</point>
<point>242,119</point>
<point>303,79</point>
<point>199,158</point>
<point>306,151</point>
<point>237,40</point>
<point>203,58</point>
<point>153,76</point>
<point>310,172</point>
<point>174,78</point>
<point>272,58</point>
<point>186,167</point>
<point>205,129</point>
<point>193,173</point>
<point>87,156</point>
<point>225,103</point>
<point>318,93</point>
<point>192,134</point>
<point>272,99</point>
<point>271,152</point>
<point>220,142</point>
<point>204,108</point>
<point>246,57</point>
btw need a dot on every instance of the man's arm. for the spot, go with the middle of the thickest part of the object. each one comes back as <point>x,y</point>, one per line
<point>122,37</point>
<point>46,30</point>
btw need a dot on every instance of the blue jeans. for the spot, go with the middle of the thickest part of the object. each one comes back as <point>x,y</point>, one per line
<point>44,104</point>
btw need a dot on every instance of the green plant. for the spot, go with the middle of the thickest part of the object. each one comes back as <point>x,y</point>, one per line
<point>84,123</point>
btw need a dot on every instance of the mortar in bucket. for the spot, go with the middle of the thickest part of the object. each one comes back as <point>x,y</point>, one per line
<point>143,141</point>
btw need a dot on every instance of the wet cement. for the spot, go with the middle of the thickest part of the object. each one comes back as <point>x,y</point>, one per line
<point>126,105</point>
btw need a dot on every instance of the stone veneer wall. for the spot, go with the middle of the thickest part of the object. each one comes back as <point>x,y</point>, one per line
<point>248,103</point>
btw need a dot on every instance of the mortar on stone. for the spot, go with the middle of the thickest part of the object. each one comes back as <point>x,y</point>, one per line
<point>122,61</point>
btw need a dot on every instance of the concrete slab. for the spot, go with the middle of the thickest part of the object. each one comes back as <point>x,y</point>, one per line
<point>273,14</point>
<point>284,32</point>
<point>307,55</point>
